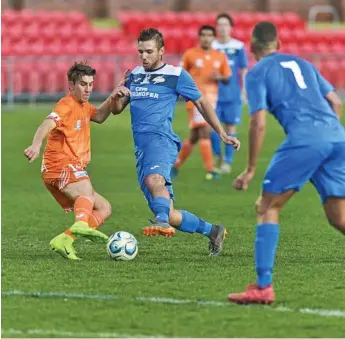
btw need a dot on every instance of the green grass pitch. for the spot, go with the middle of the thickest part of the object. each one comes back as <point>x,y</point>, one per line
<point>309,270</point>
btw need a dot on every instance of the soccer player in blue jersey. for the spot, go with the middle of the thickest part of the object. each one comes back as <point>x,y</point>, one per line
<point>308,109</point>
<point>154,89</point>
<point>229,105</point>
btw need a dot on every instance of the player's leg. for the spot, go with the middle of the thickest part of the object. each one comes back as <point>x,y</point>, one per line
<point>329,180</point>
<point>101,211</point>
<point>155,158</point>
<point>215,139</point>
<point>206,152</point>
<point>231,119</point>
<point>335,211</point>
<point>300,163</point>
<point>83,195</point>
<point>62,243</point>
<point>187,222</point>
<point>186,151</point>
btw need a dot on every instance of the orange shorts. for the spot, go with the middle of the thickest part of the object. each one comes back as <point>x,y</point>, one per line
<point>194,116</point>
<point>56,181</point>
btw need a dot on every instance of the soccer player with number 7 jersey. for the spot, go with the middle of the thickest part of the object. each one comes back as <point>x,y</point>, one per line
<point>308,109</point>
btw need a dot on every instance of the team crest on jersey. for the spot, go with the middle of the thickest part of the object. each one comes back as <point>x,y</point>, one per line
<point>199,63</point>
<point>146,80</point>
<point>158,80</point>
<point>78,125</point>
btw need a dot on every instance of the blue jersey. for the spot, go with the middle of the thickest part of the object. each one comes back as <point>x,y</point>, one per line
<point>153,99</point>
<point>294,91</point>
<point>237,58</point>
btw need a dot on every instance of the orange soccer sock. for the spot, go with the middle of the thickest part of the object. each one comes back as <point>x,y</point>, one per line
<point>68,232</point>
<point>83,207</point>
<point>95,219</point>
<point>186,150</point>
<point>206,154</point>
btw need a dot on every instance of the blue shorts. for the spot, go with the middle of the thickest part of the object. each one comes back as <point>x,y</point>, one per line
<point>156,155</point>
<point>322,164</point>
<point>229,112</point>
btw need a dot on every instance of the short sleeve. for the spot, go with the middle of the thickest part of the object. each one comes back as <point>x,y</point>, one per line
<point>92,111</point>
<point>256,93</point>
<point>60,114</point>
<point>224,68</point>
<point>243,58</point>
<point>186,87</point>
<point>325,86</point>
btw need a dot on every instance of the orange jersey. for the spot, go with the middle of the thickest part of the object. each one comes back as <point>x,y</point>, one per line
<point>68,144</point>
<point>202,65</point>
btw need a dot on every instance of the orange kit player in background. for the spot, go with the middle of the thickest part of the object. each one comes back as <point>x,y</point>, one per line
<point>66,155</point>
<point>207,67</point>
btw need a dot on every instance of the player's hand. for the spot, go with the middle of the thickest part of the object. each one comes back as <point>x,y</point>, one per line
<point>242,181</point>
<point>32,152</point>
<point>124,77</point>
<point>120,92</point>
<point>230,141</point>
<point>216,76</point>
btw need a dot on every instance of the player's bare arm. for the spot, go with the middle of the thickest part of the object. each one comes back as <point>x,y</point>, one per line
<point>33,151</point>
<point>207,111</point>
<point>335,103</point>
<point>257,132</point>
<point>109,105</point>
<point>244,72</point>
<point>222,78</point>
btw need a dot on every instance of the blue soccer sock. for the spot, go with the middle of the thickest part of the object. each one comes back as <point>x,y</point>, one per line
<point>215,140</point>
<point>267,237</point>
<point>229,151</point>
<point>193,224</point>
<point>160,206</point>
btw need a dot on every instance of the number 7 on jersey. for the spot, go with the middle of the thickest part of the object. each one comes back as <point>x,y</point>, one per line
<point>296,70</point>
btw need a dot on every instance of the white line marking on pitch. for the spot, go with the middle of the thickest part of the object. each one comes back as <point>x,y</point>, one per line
<point>320,312</point>
<point>64,334</point>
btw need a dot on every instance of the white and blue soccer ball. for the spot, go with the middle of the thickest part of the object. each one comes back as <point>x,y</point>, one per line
<point>122,246</point>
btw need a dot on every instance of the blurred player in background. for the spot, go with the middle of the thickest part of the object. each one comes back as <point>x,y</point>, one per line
<point>308,109</point>
<point>66,156</point>
<point>207,67</point>
<point>229,105</point>
<point>154,90</point>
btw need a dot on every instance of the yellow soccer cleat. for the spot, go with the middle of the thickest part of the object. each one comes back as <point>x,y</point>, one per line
<point>63,244</point>
<point>81,229</point>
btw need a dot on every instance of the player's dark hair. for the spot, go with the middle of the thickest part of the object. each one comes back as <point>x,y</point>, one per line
<point>264,35</point>
<point>226,16</point>
<point>152,34</point>
<point>207,28</point>
<point>78,70</point>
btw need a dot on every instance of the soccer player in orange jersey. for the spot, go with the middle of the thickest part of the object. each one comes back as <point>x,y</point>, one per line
<point>207,67</point>
<point>67,154</point>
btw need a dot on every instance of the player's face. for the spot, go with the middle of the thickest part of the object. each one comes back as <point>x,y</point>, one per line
<point>82,88</point>
<point>149,54</point>
<point>223,27</point>
<point>206,38</point>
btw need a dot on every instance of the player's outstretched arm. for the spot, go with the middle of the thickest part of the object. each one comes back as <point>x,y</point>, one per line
<point>33,151</point>
<point>257,132</point>
<point>335,103</point>
<point>110,105</point>
<point>207,111</point>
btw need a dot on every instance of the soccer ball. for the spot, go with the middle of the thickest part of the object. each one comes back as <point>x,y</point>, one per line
<point>122,246</point>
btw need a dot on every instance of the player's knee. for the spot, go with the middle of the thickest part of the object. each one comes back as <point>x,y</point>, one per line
<point>338,222</point>
<point>194,139</point>
<point>154,180</point>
